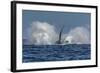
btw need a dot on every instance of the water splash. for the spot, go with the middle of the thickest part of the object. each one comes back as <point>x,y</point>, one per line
<point>43,33</point>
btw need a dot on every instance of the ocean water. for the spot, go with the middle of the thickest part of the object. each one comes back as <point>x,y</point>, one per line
<point>44,53</point>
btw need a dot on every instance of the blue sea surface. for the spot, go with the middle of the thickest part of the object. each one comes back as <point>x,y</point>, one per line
<point>44,53</point>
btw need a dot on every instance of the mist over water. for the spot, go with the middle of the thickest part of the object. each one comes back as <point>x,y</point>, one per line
<point>43,33</point>
<point>78,35</point>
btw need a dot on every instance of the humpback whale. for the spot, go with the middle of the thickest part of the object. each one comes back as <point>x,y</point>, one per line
<point>60,36</point>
